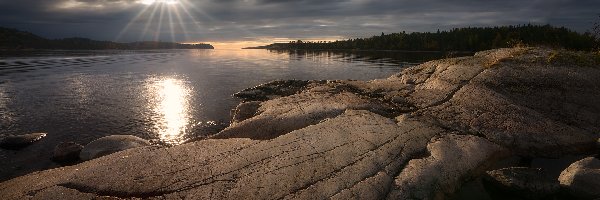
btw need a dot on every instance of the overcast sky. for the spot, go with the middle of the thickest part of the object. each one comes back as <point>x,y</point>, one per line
<point>264,21</point>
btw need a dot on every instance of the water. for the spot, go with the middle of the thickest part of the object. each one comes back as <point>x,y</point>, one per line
<point>168,95</point>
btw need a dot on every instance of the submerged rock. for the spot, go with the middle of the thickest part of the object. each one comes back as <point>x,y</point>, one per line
<point>111,144</point>
<point>582,178</point>
<point>15,142</point>
<point>67,152</point>
<point>522,182</point>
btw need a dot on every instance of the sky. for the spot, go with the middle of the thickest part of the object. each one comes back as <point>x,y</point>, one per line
<point>240,23</point>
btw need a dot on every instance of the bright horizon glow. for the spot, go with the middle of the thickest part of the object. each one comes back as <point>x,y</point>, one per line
<point>150,2</point>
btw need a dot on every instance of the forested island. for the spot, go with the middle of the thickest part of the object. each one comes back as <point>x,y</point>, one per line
<point>13,39</point>
<point>459,39</point>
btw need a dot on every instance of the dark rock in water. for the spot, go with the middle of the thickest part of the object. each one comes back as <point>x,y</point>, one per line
<point>67,152</point>
<point>245,111</point>
<point>582,178</point>
<point>110,144</point>
<point>14,142</point>
<point>204,130</point>
<point>273,89</point>
<point>521,182</point>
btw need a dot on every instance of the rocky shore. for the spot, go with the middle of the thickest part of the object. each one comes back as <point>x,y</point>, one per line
<point>519,123</point>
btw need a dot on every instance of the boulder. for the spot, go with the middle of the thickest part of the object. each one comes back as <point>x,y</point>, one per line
<point>111,144</point>
<point>67,152</point>
<point>15,142</point>
<point>521,182</point>
<point>582,178</point>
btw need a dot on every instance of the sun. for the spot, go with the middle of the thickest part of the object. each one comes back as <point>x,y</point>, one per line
<point>150,2</point>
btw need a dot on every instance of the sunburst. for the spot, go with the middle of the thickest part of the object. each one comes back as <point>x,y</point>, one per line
<point>159,13</point>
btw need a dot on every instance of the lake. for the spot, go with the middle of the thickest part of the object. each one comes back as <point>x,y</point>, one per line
<point>166,95</point>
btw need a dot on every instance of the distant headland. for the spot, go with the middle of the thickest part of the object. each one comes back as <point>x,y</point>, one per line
<point>13,39</point>
<point>470,39</point>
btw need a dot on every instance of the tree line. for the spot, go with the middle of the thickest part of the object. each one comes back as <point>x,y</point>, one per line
<point>458,39</point>
<point>12,39</point>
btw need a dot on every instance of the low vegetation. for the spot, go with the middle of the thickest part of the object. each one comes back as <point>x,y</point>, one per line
<point>583,59</point>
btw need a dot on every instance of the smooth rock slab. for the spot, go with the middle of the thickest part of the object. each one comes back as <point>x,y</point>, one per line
<point>15,142</point>
<point>582,178</point>
<point>111,144</point>
<point>354,155</point>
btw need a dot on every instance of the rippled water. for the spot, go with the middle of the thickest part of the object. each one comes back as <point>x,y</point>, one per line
<point>170,95</point>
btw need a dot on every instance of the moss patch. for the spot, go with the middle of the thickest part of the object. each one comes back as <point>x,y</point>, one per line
<point>582,59</point>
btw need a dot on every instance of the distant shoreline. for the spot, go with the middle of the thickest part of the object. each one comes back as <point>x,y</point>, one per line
<point>364,50</point>
<point>16,40</point>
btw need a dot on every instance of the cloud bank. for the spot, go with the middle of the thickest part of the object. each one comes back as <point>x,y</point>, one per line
<point>279,20</point>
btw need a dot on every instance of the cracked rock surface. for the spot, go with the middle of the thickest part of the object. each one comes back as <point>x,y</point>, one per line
<point>419,134</point>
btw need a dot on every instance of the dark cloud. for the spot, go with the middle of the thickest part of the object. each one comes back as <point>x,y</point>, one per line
<point>235,20</point>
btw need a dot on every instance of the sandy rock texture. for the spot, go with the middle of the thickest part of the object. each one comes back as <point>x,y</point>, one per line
<point>420,134</point>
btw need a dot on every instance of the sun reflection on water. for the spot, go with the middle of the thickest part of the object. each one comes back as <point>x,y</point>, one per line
<point>171,105</point>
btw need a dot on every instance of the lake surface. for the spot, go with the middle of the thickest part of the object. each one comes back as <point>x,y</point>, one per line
<point>170,95</point>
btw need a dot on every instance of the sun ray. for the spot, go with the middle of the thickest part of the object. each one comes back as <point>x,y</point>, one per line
<point>131,22</point>
<point>187,12</point>
<point>198,10</point>
<point>182,24</point>
<point>160,20</point>
<point>149,22</point>
<point>171,27</point>
<point>209,17</point>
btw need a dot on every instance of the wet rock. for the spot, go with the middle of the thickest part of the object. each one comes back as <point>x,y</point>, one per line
<point>271,90</point>
<point>582,178</point>
<point>67,152</point>
<point>200,132</point>
<point>15,142</point>
<point>521,182</point>
<point>245,111</point>
<point>111,144</point>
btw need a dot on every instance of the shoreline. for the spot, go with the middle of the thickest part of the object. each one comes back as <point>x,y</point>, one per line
<point>457,119</point>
